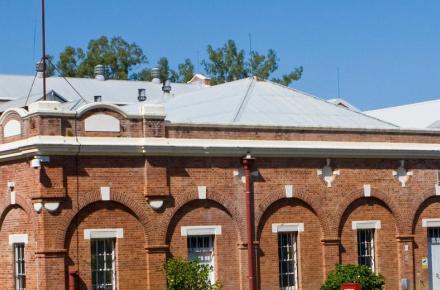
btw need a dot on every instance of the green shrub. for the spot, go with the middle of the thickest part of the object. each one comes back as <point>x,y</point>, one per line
<point>188,275</point>
<point>354,274</point>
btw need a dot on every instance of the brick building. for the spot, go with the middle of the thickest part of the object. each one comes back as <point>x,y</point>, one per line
<point>97,195</point>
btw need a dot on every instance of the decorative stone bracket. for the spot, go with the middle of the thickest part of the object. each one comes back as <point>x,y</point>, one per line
<point>328,174</point>
<point>402,174</point>
<point>51,205</point>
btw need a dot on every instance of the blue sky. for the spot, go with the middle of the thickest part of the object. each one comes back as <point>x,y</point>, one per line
<point>387,51</point>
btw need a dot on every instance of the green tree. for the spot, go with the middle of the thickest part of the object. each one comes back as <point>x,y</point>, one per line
<point>353,274</point>
<point>188,275</point>
<point>117,55</point>
<point>184,73</point>
<point>69,61</point>
<point>228,63</point>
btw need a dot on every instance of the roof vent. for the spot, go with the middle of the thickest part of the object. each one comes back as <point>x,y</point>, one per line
<point>166,88</point>
<point>39,68</point>
<point>155,74</point>
<point>142,96</point>
<point>97,99</point>
<point>99,72</point>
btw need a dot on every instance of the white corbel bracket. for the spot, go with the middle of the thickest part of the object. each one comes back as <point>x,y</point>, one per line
<point>402,174</point>
<point>328,174</point>
<point>49,205</point>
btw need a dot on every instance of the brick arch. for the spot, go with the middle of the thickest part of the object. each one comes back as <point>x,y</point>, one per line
<point>276,197</point>
<point>421,202</point>
<point>19,202</point>
<point>419,205</point>
<point>189,197</point>
<point>377,195</point>
<point>122,198</point>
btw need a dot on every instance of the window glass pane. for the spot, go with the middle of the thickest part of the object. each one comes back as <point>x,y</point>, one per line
<point>102,263</point>
<point>201,248</point>
<point>288,263</point>
<point>20,267</point>
<point>366,247</point>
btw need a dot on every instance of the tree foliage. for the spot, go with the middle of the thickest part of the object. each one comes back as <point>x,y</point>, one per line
<point>117,55</point>
<point>228,63</point>
<point>353,274</point>
<point>123,60</point>
<point>188,275</point>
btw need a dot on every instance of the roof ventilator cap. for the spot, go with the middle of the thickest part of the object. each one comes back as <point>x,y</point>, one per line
<point>155,73</point>
<point>100,72</point>
<point>39,68</point>
<point>166,87</point>
<point>142,96</point>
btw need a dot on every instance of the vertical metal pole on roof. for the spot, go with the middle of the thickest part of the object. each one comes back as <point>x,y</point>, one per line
<point>247,162</point>
<point>43,40</point>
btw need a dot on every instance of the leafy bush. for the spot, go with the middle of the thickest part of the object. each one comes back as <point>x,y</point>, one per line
<point>354,274</point>
<point>188,275</point>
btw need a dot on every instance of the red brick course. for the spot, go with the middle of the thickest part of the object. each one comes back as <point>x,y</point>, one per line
<point>57,241</point>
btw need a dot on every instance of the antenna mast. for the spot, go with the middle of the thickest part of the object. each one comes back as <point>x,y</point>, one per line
<point>339,88</point>
<point>43,38</point>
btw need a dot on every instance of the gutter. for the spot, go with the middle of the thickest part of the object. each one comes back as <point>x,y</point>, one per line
<point>117,146</point>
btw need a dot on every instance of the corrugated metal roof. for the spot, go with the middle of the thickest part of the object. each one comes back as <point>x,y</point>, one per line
<point>244,102</point>
<point>254,102</point>
<point>417,115</point>
<point>114,91</point>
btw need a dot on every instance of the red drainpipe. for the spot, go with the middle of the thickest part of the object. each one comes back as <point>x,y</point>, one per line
<point>72,278</point>
<point>247,162</point>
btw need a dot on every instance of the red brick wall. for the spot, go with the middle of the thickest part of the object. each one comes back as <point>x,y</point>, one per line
<point>430,209</point>
<point>385,238</point>
<point>130,250</point>
<point>16,221</point>
<point>309,245</point>
<point>225,245</point>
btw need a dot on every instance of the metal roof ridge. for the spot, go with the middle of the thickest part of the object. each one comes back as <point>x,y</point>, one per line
<point>240,109</point>
<point>325,101</point>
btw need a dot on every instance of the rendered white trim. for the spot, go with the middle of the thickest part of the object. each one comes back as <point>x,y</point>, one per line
<point>200,230</point>
<point>99,105</point>
<point>105,146</point>
<point>431,223</point>
<point>201,191</point>
<point>18,239</point>
<point>287,227</point>
<point>117,233</point>
<point>102,123</point>
<point>361,225</point>
<point>105,193</point>
<point>12,128</point>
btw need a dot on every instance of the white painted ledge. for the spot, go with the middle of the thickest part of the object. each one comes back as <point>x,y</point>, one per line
<point>362,225</point>
<point>117,233</point>
<point>200,230</point>
<point>18,239</point>
<point>431,223</point>
<point>287,227</point>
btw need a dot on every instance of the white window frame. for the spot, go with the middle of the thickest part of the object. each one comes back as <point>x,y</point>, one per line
<point>209,230</point>
<point>113,257</point>
<point>372,225</point>
<point>117,233</point>
<point>294,259</point>
<point>200,230</point>
<point>212,276</point>
<point>17,261</point>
